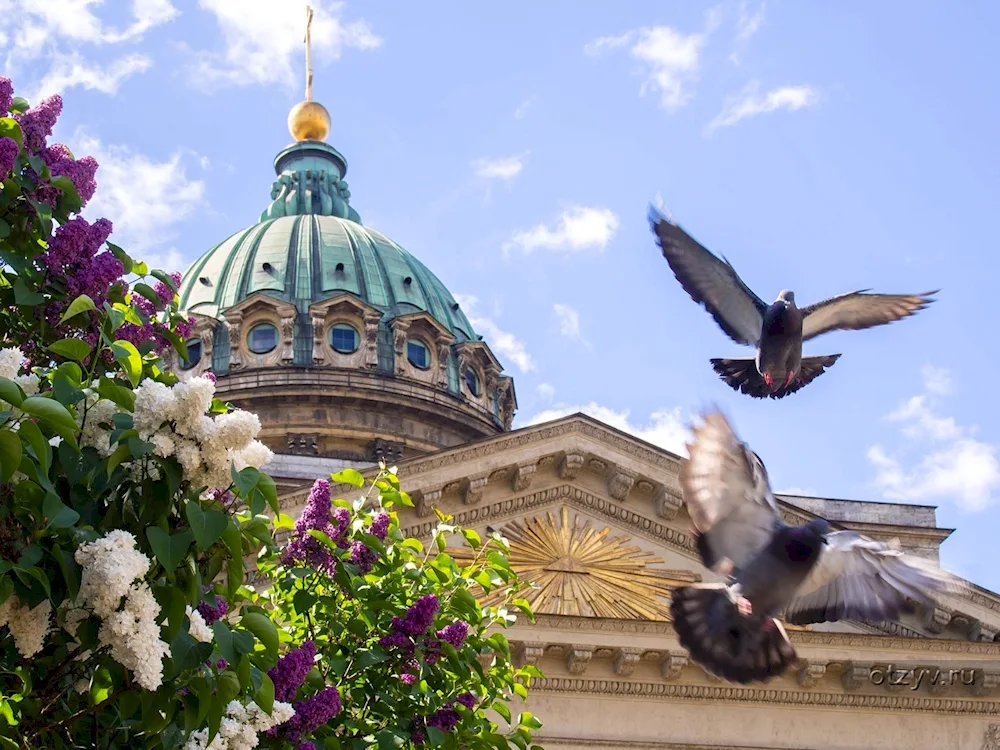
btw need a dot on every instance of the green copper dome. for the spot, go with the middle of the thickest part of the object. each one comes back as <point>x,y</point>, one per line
<point>310,246</point>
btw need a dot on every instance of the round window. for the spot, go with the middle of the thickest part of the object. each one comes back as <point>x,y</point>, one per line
<point>418,354</point>
<point>194,354</point>
<point>472,380</point>
<point>262,338</point>
<point>344,338</point>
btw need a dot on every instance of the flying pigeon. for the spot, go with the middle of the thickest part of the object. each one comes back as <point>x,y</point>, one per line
<point>801,574</point>
<point>776,330</point>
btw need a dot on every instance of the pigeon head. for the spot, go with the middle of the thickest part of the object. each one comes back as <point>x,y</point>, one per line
<point>802,543</point>
<point>819,527</point>
<point>787,296</point>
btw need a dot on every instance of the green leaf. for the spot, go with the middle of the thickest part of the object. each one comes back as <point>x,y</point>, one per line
<point>527,719</point>
<point>187,653</point>
<point>24,296</point>
<point>474,540</point>
<point>228,687</point>
<point>10,455</point>
<point>224,641</point>
<point>60,516</point>
<point>245,480</point>
<point>348,476</point>
<point>77,306</point>
<point>54,414</point>
<point>10,129</point>
<point>146,291</point>
<point>139,268</point>
<point>266,487</point>
<point>124,257</point>
<point>173,606</point>
<point>265,695</point>
<point>435,737</point>
<point>71,201</point>
<point>101,686</point>
<point>76,349</point>
<point>129,358</point>
<point>122,453</point>
<point>164,277</point>
<point>281,521</point>
<point>390,740</point>
<point>207,525</point>
<point>11,392</point>
<point>4,229</point>
<point>169,549</point>
<point>371,657</point>
<point>264,629</point>
<point>501,708</point>
<point>521,690</point>
<point>120,395</point>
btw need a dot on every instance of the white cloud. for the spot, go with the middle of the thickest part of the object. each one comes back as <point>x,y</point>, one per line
<point>503,168</point>
<point>569,323</point>
<point>577,228</point>
<point>546,391</point>
<point>504,344</point>
<point>954,465</point>
<point>665,428</point>
<point>73,70</point>
<point>52,32</point>
<point>747,25</point>
<point>264,41</point>
<point>669,58</point>
<point>143,198</point>
<point>749,103</point>
<point>523,107</point>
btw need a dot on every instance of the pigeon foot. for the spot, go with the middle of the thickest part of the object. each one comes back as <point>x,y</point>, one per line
<point>744,606</point>
<point>769,379</point>
<point>788,379</point>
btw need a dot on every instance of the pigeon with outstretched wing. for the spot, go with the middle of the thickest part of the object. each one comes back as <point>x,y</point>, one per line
<point>776,330</point>
<point>802,574</point>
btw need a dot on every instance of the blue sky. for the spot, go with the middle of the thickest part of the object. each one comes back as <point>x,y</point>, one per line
<point>514,148</point>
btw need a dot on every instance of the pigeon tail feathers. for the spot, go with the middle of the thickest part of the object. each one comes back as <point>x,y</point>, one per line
<point>723,642</point>
<point>741,375</point>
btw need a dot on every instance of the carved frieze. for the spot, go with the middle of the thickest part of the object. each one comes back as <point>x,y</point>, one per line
<point>569,465</point>
<point>302,444</point>
<point>937,619</point>
<point>810,674</point>
<point>625,661</point>
<point>385,450</point>
<point>528,653</point>
<point>667,502</point>
<point>673,664</point>
<point>578,658</point>
<point>473,488</point>
<point>620,482</point>
<point>521,476</point>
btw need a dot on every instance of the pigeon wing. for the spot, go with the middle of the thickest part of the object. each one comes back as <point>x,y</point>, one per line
<point>711,282</point>
<point>727,494</point>
<point>857,578</point>
<point>857,310</point>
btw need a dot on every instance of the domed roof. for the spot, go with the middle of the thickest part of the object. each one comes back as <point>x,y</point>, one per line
<point>310,246</point>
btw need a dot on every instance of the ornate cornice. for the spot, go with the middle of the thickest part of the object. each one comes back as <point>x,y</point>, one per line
<point>764,695</point>
<point>573,743</point>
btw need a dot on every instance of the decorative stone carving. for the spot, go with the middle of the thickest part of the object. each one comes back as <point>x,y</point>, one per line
<point>473,488</point>
<point>984,682</point>
<point>287,339</point>
<point>855,675</point>
<point>810,675</point>
<point>991,740</point>
<point>303,445</point>
<point>597,466</point>
<point>528,653</point>
<point>522,476</point>
<point>979,631</point>
<point>371,341</point>
<point>423,500</point>
<point>578,658</point>
<point>937,619</point>
<point>233,327</point>
<point>319,351</point>
<point>443,355</point>
<point>620,482</point>
<point>667,502</point>
<point>570,464</point>
<point>505,401</point>
<point>672,665</point>
<point>385,450</point>
<point>400,333</point>
<point>625,661</point>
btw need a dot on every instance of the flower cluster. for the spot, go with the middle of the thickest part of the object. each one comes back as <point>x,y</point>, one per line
<point>318,515</point>
<point>37,123</point>
<point>291,671</point>
<point>213,612</point>
<point>380,525</point>
<point>310,715</point>
<point>174,420</point>
<point>153,329</point>
<point>112,571</point>
<point>197,627</point>
<point>27,626</point>
<point>240,727</point>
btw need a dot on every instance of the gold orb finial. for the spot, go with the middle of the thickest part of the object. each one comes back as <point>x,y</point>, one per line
<point>309,121</point>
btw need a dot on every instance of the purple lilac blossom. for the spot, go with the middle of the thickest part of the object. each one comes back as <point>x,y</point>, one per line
<point>37,123</point>
<point>468,700</point>
<point>210,376</point>
<point>417,733</point>
<point>455,633</point>
<point>432,651</point>
<point>362,556</point>
<point>291,671</point>
<point>380,525</point>
<point>213,612</point>
<point>311,714</point>
<point>420,616</point>
<point>222,664</point>
<point>8,156</point>
<point>407,679</point>
<point>306,549</point>
<point>306,746</point>
<point>79,171</point>
<point>446,719</point>
<point>6,95</point>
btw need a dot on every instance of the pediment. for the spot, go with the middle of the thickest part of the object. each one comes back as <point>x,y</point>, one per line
<point>344,303</point>
<point>259,301</point>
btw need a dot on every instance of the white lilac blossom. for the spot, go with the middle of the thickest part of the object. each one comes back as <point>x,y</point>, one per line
<point>10,362</point>
<point>198,629</point>
<point>27,626</point>
<point>240,727</point>
<point>112,571</point>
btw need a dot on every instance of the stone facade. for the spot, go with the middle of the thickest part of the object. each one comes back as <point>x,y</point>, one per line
<point>615,676</point>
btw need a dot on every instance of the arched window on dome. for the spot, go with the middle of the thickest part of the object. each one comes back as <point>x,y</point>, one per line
<point>262,338</point>
<point>344,338</point>
<point>472,382</point>
<point>418,354</point>
<point>194,354</point>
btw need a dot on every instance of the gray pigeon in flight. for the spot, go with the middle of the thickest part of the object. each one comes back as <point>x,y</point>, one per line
<point>801,574</point>
<point>776,330</point>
